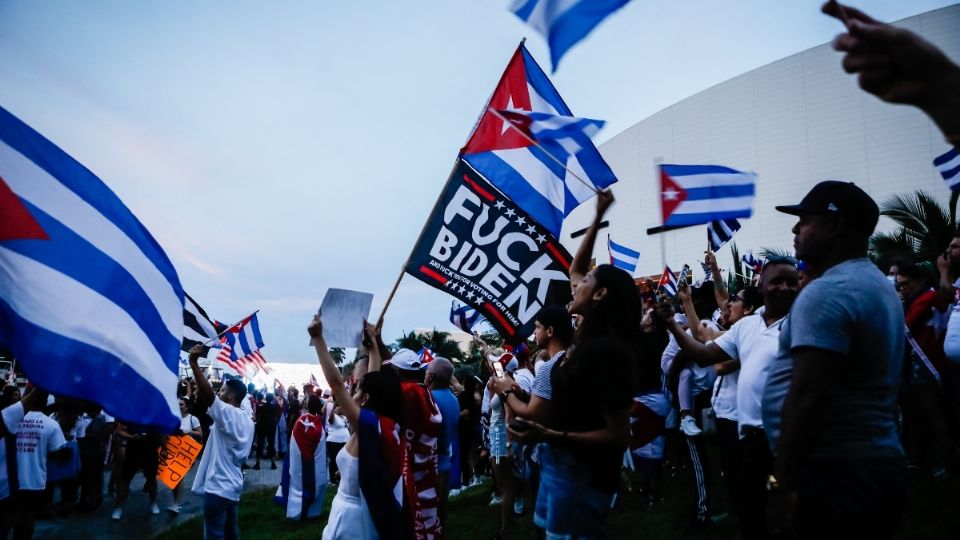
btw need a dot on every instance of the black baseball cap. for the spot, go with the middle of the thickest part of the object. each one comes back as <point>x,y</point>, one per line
<point>841,199</point>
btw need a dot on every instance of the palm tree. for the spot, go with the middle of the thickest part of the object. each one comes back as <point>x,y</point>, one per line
<point>735,279</point>
<point>926,228</point>
<point>339,355</point>
<point>438,341</point>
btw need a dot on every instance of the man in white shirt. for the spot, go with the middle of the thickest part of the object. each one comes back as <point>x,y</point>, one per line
<point>9,479</point>
<point>754,342</point>
<point>219,478</point>
<point>38,436</point>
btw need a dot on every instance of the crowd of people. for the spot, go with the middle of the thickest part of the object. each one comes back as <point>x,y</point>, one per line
<point>819,384</point>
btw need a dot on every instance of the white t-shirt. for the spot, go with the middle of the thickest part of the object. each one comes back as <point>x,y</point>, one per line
<point>755,345</point>
<point>524,379</point>
<point>37,436</point>
<point>12,416</point>
<point>189,423</point>
<point>247,406</point>
<point>230,437</point>
<point>724,401</point>
<point>337,431</point>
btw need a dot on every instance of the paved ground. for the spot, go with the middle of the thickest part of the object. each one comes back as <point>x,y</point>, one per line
<point>137,521</point>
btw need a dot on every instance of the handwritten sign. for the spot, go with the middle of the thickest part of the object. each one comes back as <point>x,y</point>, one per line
<point>182,451</point>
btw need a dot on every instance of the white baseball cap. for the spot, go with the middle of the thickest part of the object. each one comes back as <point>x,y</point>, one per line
<point>406,359</point>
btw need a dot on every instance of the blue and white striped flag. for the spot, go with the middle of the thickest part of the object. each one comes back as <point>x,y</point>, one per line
<point>694,194</point>
<point>463,317</point>
<point>569,132</point>
<point>564,22</point>
<point>720,231</point>
<point>949,166</point>
<point>622,256</point>
<point>89,303</point>
<point>668,282</point>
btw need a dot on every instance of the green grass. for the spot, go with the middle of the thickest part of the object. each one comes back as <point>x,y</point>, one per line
<point>931,513</point>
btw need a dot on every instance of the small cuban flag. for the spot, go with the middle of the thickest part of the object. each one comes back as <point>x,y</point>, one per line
<point>426,356</point>
<point>668,282</point>
<point>949,167</point>
<point>695,194</point>
<point>464,317</point>
<point>622,256</point>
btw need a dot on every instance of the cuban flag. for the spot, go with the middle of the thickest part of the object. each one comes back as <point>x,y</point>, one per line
<point>198,327</point>
<point>721,231</point>
<point>695,194</point>
<point>668,282</point>
<point>464,317</point>
<point>241,344</point>
<point>521,170</point>
<point>948,165</point>
<point>622,256</point>
<point>90,304</point>
<point>569,132</point>
<point>304,480</point>
<point>426,356</point>
<point>752,263</point>
<point>564,22</point>
<point>381,474</point>
<point>648,416</point>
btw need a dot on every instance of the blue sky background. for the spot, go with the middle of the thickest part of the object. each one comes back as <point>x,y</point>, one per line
<point>279,148</point>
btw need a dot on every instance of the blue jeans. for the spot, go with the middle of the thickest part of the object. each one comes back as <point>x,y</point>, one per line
<point>220,518</point>
<point>568,506</point>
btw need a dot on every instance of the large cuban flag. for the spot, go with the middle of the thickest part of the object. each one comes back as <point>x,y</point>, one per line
<point>695,194</point>
<point>564,22</point>
<point>520,169</point>
<point>304,479</point>
<point>90,305</point>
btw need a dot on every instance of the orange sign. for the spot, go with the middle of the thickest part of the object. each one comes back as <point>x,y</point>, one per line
<point>181,452</point>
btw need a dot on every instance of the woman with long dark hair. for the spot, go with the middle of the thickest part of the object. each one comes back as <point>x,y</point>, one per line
<point>369,463</point>
<point>592,387</point>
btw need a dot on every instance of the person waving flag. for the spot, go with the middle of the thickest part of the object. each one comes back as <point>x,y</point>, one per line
<point>90,304</point>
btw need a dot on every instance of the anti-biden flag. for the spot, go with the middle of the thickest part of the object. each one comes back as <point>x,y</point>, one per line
<point>90,304</point>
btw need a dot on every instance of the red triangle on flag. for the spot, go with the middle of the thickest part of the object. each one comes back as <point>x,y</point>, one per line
<point>17,223</point>
<point>671,195</point>
<point>511,93</point>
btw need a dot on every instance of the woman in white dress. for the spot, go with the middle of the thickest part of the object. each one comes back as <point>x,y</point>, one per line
<point>377,407</point>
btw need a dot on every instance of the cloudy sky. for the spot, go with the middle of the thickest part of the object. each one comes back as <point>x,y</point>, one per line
<point>276,149</point>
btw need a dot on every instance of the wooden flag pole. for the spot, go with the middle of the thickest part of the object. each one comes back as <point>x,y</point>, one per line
<point>538,145</point>
<point>423,231</point>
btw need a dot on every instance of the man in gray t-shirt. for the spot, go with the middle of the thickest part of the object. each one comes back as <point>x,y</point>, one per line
<point>829,404</point>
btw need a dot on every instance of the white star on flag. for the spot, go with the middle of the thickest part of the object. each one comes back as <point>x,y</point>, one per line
<point>498,205</point>
<point>541,238</point>
<point>521,221</point>
<point>470,295</point>
<point>307,424</point>
<point>531,229</point>
<point>670,195</point>
<point>510,212</point>
<point>461,289</point>
<point>510,107</point>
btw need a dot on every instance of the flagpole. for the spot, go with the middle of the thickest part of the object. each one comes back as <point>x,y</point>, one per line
<point>423,231</point>
<point>538,145</point>
<point>663,240</point>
